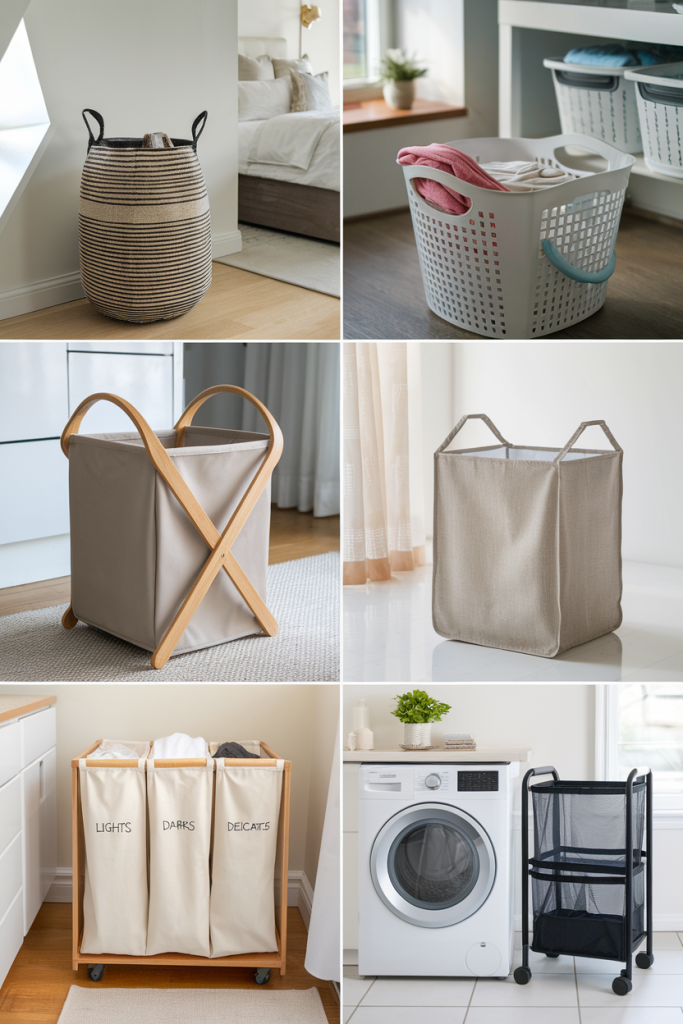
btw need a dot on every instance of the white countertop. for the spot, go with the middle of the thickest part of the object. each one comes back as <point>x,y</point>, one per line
<point>644,20</point>
<point>482,755</point>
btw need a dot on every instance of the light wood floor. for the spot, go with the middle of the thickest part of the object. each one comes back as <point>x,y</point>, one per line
<point>292,535</point>
<point>237,305</point>
<point>41,976</point>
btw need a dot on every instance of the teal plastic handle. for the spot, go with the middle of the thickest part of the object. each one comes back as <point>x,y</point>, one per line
<point>582,276</point>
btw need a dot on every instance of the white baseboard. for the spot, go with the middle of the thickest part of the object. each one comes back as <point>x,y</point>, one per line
<point>226,244</point>
<point>299,891</point>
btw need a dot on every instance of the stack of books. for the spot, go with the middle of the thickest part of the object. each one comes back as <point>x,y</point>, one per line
<point>459,741</point>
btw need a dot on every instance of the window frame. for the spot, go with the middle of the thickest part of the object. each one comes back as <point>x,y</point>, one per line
<point>379,38</point>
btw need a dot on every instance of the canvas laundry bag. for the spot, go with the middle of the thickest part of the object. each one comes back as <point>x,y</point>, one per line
<point>114,811</point>
<point>527,543</point>
<point>247,812</point>
<point>179,802</point>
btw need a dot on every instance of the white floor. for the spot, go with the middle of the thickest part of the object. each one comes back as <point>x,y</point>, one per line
<point>564,991</point>
<point>388,636</point>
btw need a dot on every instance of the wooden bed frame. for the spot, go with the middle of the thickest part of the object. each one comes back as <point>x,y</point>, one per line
<point>288,206</point>
<point>272,961</point>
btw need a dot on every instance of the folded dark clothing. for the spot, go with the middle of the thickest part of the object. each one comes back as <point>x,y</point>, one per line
<point>233,750</point>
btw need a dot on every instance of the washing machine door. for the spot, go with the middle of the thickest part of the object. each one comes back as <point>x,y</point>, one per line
<point>433,865</point>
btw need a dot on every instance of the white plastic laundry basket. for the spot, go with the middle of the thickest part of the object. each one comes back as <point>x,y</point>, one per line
<point>521,264</point>
<point>597,101</point>
<point>659,93</point>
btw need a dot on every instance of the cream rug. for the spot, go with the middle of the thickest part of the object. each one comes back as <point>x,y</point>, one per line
<point>307,262</point>
<point>190,1005</point>
<point>303,595</point>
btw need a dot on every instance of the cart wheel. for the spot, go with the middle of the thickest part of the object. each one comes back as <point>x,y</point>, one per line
<point>553,956</point>
<point>96,972</point>
<point>522,975</point>
<point>644,960</point>
<point>622,986</point>
<point>262,975</point>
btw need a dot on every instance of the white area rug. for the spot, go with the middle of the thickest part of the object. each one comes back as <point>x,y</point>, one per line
<point>303,595</point>
<point>307,262</point>
<point>190,1005</point>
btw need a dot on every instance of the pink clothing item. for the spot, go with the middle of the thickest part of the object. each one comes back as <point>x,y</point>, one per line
<point>452,161</point>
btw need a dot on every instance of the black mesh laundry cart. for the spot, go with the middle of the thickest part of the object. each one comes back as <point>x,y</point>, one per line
<point>591,879</point>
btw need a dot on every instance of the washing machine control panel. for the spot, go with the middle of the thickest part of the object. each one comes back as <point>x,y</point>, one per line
<point>477,782</point>
<point>428,781</point>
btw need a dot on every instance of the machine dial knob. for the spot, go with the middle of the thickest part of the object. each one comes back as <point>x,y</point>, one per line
<point>433,781</point>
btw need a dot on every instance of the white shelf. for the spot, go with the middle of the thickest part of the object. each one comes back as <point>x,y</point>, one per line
<point>485,755</point>
<point>641,20</point>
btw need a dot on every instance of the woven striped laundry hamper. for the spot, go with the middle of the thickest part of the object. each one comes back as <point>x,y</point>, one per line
<point>144,226</point>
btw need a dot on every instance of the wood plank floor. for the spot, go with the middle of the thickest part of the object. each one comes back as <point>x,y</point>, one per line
<point>238,305</point>
<point>384,297</point>
<point>41,976</point>
<point>293,535</point>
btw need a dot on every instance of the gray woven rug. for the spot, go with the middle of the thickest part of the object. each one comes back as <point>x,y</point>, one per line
<point>303,595</point>
<point>189,1005</point>
<point>308,262</point>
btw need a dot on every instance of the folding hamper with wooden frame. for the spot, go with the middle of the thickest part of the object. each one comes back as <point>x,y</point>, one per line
<point>123,912</point>
<point>145,507</point>
<point>527,543</point>
<point>591,879</point>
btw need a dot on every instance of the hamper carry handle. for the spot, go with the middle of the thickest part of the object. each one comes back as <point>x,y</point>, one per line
<point>577,433</point>
<point>562,264</point>
<point>100,120</point>
<point>219,544</point>
<point>461,424</point>
<point>218,389</point>
<point>203,117</point>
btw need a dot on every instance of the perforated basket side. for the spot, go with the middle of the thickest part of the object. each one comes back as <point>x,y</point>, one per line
<point>610,114</point>
<point>662,130</point>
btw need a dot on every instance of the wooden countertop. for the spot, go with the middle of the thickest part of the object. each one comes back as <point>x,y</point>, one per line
<point>12,705</point>
<point>357,117</point>
<point>483,755</point>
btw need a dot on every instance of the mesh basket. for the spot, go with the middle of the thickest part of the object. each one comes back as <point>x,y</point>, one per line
<point>578,872</point>
<point>597,101</point>
<point>659,95</point>
<point>521,265</point>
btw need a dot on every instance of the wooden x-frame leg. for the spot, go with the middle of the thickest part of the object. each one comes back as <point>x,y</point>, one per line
<point>220,545</point>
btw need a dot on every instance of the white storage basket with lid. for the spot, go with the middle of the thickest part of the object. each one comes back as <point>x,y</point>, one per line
<point>521,264</point>
<point>598,101</point>
<point>659,94</point>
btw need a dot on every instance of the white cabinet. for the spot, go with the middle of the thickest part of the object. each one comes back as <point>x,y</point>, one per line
<point>38,797</point>
<point>146,381</point>
<point>11,935</point>
<point>33,390</point>
<point>38,734</point>
<point>10,811</point>
<point>350,857</point>
<point>159,348</point>
<point>39,499</point>
<point>10,751</point>
<point>48,822</point>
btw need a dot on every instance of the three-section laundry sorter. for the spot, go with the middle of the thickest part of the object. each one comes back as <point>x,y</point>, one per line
<point>177,862</point>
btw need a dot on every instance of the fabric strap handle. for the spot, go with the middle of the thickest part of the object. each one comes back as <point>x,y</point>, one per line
<point>100,120</point>
<point>461,424</point>
<point>200,119</point>
<point>577,434</point>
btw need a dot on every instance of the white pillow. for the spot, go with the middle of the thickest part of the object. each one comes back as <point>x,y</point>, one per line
<point>310,92</point>
<point>282,65</point>
<point>258,69</point>
<point>257,101</point>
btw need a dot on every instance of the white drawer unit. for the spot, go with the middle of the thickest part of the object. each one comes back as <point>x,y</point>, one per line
<point>153,348</point>
<point>11,935</point>
<point>38,505</point>
<point>146,381</point>
<point>38,734</point>
<point>38,822</point>
<point>10,751</point>
<point>10,874</point>
<point>33,390</point>
<point>10,811</point>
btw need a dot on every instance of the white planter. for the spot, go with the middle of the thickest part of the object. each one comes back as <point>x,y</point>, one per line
<point>399,95</point>
<point>416,735</point>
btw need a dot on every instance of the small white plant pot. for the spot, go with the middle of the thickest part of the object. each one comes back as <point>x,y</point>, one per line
<point>399,95</point>
<point>412,734</point>
<point>427,734</point>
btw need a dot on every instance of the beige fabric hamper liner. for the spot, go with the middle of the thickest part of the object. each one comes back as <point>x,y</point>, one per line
<point>527,543</point>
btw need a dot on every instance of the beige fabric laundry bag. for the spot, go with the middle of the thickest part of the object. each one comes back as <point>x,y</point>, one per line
<point>114,810</point>
<point>179,801</point>
<point>527,543</point>
<point>246,820</point>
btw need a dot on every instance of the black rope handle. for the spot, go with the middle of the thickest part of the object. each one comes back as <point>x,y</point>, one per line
<point>100,120</point>
<point>195,134</point>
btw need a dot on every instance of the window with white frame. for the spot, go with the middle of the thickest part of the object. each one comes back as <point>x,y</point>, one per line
<point>641,724</point>
<point>367,35</point>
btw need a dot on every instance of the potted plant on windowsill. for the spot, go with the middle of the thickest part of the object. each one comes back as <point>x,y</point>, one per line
<point>398,72</point>
<point>417,710</point>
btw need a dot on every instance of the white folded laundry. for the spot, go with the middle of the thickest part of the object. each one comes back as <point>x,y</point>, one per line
<point>457,737</point>
<point>179,745</point>
<point>526,175</point>
<point>114,753</point>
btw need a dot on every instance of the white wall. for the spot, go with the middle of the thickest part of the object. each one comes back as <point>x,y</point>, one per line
<point>145,67</point>
<point>437,415</point>
<point>281,18</point>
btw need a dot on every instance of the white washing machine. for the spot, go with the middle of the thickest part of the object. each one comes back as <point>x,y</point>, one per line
<point>434,887</point>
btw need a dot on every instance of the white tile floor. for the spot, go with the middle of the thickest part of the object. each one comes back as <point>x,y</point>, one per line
<point>388,636</point>
<point>568,990</point>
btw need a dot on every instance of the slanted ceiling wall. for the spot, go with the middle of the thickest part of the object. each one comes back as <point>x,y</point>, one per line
<point>281,18</point>
<point>149,66</point>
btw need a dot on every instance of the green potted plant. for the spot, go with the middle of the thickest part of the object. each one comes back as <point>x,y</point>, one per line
<point>417,710</point>
<point>398,72</point>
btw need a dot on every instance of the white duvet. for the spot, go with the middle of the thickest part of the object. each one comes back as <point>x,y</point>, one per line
<point>302,147</point>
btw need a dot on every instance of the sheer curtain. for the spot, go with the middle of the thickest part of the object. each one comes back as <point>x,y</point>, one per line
<point>383,486</point>
<point>299,383</point>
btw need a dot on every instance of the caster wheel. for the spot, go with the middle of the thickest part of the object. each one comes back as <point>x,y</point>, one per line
<point>553,956</point>
<point>262,975</point>
<point>644,960</point>
<point>96,972</point>
<point>622,986</point>
<point>522,975</point>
